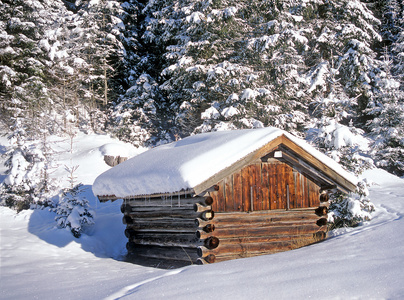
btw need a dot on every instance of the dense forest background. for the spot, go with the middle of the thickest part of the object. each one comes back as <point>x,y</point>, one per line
<point>150,72</point>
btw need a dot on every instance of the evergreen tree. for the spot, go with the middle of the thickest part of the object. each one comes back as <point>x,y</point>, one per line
<point>73,211</point>
<point>387,125</point>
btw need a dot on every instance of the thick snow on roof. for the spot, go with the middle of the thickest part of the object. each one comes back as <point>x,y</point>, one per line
<point>189,162</point>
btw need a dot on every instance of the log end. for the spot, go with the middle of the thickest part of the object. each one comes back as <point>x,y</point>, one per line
<point>211,242</point>
<point>209,228</point>
<point>130,246</point>
<point>209,200</point>
<point>321,211</point>
<point>324,197</point>
<point>321,222</point>
<point>208,215</point>
<point>211,258</point>
<point>127,220</point>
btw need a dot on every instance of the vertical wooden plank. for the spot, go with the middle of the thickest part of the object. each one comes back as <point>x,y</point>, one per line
<point>296,186</point>
<point>317,195</point>
<point>221,207</point>
<point>284,186</point>
<point>256,186</point>
<point>290,183</point>
<point>301,186</point>
<point>229,201</point>
<point>281,187</point>
<point>215,202</point>
<point>314,194</point>
<point>245,179</point>
<point>305,194</point>
<point>265,186</point>
<point>310,192</point>
<point>272,185</point>
<point>237,191</point>
<point>278,192</point>
<point>301,189</point>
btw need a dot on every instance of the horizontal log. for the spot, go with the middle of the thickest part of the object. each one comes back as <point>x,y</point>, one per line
<point>264,224</point>
<point>130,209</point>
<point>181,214</point>
<point>265,239</point>
<point>244,248</point>
<point>264,230</point>
<point>251,245</point>
<point>164,224</point>
<point>171,253</point>
<point>255,221</point>
<point>165,236</point>
<point>231,256</point>
<point>166,201</point>
<point>266,216</point>
<point>171,229</point>
<point>168,242</point>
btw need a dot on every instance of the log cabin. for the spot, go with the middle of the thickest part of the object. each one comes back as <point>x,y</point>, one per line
<point>224,195</point>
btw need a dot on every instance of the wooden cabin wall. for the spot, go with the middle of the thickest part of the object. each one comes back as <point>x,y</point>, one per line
<point>165,228</point>
<point>243,234</point>
<point>265,186</point>
<point>185,229</point>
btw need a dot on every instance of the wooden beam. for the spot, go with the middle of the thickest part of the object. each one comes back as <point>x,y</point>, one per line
<point>307,170</point>
<point>337,178</point>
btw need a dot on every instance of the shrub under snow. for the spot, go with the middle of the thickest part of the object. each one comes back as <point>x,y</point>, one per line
<point>350,211</point>
<point>74,212</point>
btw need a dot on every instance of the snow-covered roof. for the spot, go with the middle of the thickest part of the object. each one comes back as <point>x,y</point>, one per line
<point>187,163</point>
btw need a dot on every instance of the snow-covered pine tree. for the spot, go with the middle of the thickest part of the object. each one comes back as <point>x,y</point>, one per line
<point>73,211</point>
<point>350,211</point>
<point>15,189</point>
<point>227,65</point>
<point>387,124</point>
<point>28,165</point>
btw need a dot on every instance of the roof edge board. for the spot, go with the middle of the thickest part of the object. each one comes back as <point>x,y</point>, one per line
<point>334,176</point>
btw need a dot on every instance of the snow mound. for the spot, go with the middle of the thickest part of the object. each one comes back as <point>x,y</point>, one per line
<point>114,149</point>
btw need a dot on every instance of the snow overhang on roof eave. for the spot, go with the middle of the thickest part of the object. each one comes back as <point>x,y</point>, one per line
<point>156,195</point>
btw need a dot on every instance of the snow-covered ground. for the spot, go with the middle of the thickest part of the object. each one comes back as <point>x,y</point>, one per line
<point>40,261</point>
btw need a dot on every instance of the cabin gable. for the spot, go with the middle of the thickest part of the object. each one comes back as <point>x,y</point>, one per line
<point>265,185</point>
<point>292,154</point>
